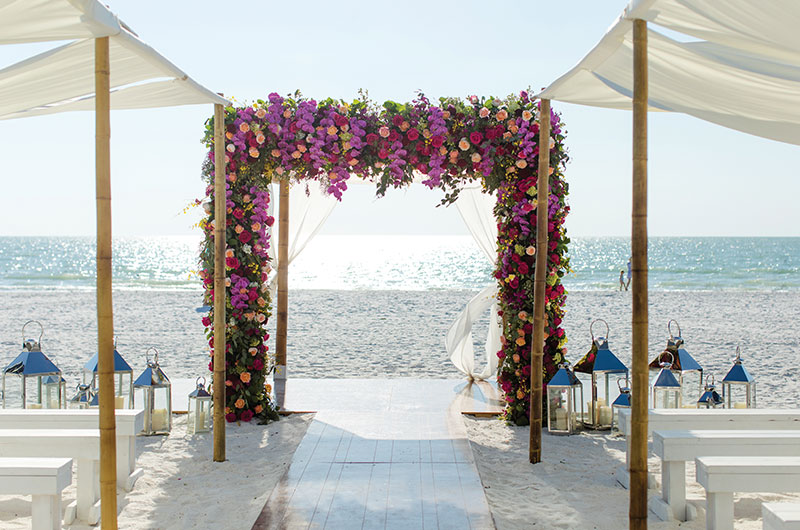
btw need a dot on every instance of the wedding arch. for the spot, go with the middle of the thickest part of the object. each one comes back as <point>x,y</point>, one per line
<point>489,141</point>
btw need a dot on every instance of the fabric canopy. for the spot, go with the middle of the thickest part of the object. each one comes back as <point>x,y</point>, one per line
<point>742,79</point>
<point>62,79</point>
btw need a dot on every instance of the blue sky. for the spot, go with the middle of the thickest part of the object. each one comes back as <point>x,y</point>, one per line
<point>704,180</point>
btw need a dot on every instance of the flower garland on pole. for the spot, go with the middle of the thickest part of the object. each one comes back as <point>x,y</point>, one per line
<point>450,144</point>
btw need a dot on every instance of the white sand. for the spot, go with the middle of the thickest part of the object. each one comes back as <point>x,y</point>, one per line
<point>575,485</point>
<point>182,488</point>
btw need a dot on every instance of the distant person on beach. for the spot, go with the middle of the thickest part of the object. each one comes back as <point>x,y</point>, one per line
<point>628,283</point>
<point>622,281</point>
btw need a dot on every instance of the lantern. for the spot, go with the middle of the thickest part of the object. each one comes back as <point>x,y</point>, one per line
<point>55,391</point>
<point>623,401</point>
<point>684,366</point>
<point>32,367</point>
<point>564,395</point>
<point>153,392</point>
<point>739,387</point>
<point>666,388</point>
<point>601,363</point>
<point>123,379</point>
<point>199,416</point>
<point>83,399</point>
<point>710,399</point>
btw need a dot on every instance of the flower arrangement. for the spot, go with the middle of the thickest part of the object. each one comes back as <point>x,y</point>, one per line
<point>450,144</point>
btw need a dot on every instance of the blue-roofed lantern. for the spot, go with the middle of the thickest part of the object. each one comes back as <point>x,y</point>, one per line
<point>55,391</point>
<point>123,379</point>
<point>666,388</point>
<point>739,387</point>
<point>601,363</point>
<point>684,366</point>
<point>623,401</point>
<point>32,367</point>
<point>199,412</point>
<point>83,398</point>
<point>710,399</point>
<point>564,396</point>
<point>153,393</point>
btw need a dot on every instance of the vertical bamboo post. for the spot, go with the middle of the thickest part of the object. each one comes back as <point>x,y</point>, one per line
<point>281,328</point>
<point>638,471</point>
<point>539,275</point>
<point>220,290</point>
<point>105,309</point>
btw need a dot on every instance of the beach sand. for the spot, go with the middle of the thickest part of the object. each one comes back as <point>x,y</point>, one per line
<point>401,334</point>
<point>182,488</point>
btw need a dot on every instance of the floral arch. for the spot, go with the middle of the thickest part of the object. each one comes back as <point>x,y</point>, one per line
<point>453,143</point>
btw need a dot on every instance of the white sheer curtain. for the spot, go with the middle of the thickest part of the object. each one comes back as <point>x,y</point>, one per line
<point>476,208</point>
<point>309,207</point>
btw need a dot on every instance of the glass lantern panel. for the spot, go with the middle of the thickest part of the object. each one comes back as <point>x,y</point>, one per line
<point>691,387</point>
<point>52,397</point>
<point>199,415</point>
<point>34,392</point>
<point>558,402</point>
<point>123,383</point>
<point>667,399</point>
<point>739,395</point>
<point>162,409</point>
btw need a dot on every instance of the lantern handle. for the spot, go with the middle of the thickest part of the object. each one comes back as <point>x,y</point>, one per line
<point>671,359</point>
<point>41,330</point>
<point>620,380</point>
<point>155,356</point>
<point>595,321</point>
<point>713,380</point>
<point>738,359</point>
<point>669,328</point>
<point>198,383</point>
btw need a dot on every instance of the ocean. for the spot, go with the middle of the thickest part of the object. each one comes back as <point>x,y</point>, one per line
<point>380,306</point>
<point>349,262</point>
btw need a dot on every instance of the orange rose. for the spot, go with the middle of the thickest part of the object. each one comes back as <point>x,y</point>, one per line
<point>521,341</point>
<point>245,377</point>
<point>258,409</point>
<point>239,403</point>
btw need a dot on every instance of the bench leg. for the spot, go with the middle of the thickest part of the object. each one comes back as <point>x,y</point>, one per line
<point>673,487</point>
<point>46,512</point>
<point>127,474</point>
<point>87,492</point>
<point>719,510</point>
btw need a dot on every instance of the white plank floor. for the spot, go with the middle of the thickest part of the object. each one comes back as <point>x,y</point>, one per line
<point>388,454</point>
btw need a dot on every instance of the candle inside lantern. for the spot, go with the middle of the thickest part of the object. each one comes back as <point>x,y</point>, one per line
<point>119,402</point>
<point>605,415</point>
<point>740,405</point>
<point>54,403</point>
<point>159,421</point>
<point>34,405</point>
<point>561,419</point>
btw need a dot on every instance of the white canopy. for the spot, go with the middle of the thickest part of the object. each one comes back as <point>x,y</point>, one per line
<point>745,77</point>
<point>62,79</point>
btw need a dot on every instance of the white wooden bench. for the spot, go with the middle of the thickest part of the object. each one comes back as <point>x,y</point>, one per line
<point>721,476</point>
<point>130,422</point>
<point>42,478</point>
<point>780,516</point>
<point>81,445</point>
<point>675,448</point>
<point>706,419</point>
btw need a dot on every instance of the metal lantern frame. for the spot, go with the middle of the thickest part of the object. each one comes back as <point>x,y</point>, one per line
<point>55,385</point>
<point>123,376</point>
<point>605,364</point>
<point>564,394</point>
<point>623,401</point>
<point>31,365</point>
<point>683,363</point>
<point>198,417</point>
<point>154,387</point>
<point>83,399</point>
<point>667,385</point>
<point>710,399</point>
<point>739,377</point>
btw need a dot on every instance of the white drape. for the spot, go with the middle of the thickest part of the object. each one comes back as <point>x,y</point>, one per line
<point>476,208</point>
<point>309,208</point>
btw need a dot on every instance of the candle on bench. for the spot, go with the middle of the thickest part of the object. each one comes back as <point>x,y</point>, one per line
<point>119,402</point>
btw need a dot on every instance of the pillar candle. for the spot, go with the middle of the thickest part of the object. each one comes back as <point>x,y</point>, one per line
<point>740,405</point>
<point>604,415</point>
<point>561,419</point>
<point>159,420</point>
<point>119,402</point>
<point>34,405</point>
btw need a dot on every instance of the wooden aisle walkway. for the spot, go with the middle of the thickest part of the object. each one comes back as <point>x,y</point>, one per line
<point>389,454</point>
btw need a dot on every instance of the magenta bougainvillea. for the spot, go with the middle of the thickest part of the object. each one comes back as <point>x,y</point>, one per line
<point>449,144</point>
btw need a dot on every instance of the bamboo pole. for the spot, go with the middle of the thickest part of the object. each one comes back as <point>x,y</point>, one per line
<point>638,471</point>
<point>539,275</point>
<point>105,310</point>
<point>220,291</point>
<point>281,329</point>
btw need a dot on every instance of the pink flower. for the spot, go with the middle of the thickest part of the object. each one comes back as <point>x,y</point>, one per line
<point>476,157</point>
<point>484,112</point>
<point>260,113</point>
<point>437,141</point>
<point>384,132</point>
<point>463,144</point>
<point>230,417</point>
<point>247,415</point>
<point>412,134</point>
<point>244,127</point>
<point>206,321</point>
<point>245,236</point>
<point>475,137</point>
